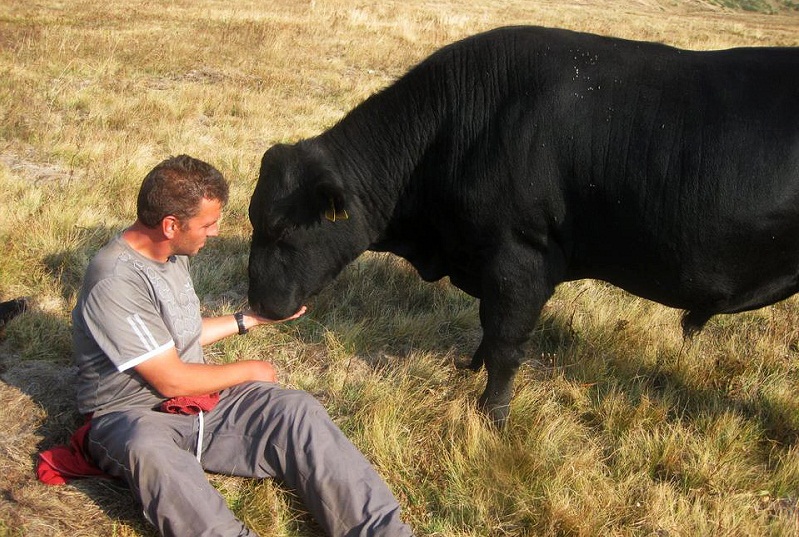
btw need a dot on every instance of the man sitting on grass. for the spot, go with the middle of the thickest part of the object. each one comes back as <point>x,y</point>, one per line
<point>161,416</point>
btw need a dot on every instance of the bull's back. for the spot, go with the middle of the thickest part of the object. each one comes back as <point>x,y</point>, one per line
<point>671,173</point>
<point>654,168</point>
<point>683,173</point>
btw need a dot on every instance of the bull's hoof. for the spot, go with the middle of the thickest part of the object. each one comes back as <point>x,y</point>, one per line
<point>498,414</point>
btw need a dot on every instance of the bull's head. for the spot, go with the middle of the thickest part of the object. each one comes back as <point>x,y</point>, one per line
<point>305,229</point>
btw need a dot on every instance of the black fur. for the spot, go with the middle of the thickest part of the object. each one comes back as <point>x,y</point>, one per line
<point>520,158</point>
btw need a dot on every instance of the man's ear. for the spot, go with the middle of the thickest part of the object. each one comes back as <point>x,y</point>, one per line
<point>169,225</point>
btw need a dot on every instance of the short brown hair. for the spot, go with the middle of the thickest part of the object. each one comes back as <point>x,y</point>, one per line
<point>176,187</point>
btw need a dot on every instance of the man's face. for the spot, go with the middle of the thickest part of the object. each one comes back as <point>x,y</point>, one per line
<point>191,234</point>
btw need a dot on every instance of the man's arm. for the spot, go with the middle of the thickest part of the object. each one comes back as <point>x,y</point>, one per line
<point>216,328</point>
<point>171,377</point>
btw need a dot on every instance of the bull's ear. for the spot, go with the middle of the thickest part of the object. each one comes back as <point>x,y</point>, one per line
<point>323,186</point>
<point>333,201</point>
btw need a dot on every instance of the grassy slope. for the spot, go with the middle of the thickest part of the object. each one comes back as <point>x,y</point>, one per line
<point>619,428</point>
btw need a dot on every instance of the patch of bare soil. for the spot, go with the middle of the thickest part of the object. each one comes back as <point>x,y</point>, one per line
<point>26,165</point>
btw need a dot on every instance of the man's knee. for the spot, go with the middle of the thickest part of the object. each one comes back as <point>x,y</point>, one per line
<point>301,405</point>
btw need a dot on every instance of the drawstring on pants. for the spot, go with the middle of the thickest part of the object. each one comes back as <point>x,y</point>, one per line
<point>200,437</point>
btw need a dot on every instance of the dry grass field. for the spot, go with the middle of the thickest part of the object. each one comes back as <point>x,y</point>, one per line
<point>618,427</point>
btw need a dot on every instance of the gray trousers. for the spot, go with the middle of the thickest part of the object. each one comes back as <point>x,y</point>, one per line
<point>256,430</point>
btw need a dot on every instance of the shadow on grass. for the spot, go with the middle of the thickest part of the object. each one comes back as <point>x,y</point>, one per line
<point>695,398</point>
<point>442,320</point>
<point>36,369</point>
<point>360,303</point>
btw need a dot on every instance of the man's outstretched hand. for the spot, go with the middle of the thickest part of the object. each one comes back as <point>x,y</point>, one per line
<point>258,319</point>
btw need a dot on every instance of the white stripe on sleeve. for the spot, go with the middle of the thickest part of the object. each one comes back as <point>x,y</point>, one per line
<point>142,331</point>
<point>146,356</point>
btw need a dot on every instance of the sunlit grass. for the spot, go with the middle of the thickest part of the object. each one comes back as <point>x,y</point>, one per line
<point>619,426</point>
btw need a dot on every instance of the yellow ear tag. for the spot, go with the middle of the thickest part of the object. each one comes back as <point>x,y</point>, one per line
<point>332,214</point>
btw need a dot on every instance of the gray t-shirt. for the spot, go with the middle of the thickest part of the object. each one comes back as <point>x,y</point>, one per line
<point>130,309</point>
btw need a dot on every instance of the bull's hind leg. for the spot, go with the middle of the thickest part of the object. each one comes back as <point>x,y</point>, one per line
<point>515,289</point>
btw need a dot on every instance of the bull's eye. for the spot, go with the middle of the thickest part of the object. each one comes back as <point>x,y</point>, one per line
<point>273,236</point>
<point>280,235</point>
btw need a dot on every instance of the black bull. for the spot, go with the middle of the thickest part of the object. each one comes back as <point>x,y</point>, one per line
<point>523,157</point>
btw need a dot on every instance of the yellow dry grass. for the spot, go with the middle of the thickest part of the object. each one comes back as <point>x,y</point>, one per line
<point>619,427</point>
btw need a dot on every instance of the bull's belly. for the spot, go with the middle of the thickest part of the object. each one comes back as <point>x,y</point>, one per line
<point>468,283</point>
<point>742,268</point>
<point>708,293</point>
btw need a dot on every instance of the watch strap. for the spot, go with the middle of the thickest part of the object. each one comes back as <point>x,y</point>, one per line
<point>239,316</point>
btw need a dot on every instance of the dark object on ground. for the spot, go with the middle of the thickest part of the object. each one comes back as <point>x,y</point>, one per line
<point>9,310</point>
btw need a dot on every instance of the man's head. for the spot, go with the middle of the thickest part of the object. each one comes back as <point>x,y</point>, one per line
<point>183,197</point>
<point>175,187</point>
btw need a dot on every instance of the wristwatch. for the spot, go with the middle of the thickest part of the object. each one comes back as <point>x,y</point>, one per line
<point>239,316</point>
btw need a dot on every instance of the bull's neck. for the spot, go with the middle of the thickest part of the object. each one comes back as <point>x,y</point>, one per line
<point>379,144</point>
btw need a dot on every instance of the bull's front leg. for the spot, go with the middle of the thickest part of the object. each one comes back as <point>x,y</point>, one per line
<point>515,288</point>
<point>502,361</point>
